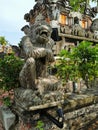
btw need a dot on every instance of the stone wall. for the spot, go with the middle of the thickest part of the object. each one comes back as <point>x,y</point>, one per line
<point>79,111</point>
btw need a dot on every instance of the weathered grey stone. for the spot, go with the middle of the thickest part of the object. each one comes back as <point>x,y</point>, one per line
<point>94,26</point>
<point>7,117</point>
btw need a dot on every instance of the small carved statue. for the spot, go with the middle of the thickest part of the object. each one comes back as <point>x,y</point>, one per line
<point>94,25</point>
<point>88,11</point>
<point>94,28</point>
<point>77,30</point>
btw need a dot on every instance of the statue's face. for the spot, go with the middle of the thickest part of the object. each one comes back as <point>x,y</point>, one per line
<point>43,33</point>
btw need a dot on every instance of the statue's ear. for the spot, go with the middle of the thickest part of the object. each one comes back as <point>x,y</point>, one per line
<point>16,49</point>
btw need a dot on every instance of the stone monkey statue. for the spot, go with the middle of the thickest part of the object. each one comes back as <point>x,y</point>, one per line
<point>37,47</point>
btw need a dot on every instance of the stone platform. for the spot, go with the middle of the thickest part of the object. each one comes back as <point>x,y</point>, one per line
<point>80,110</point>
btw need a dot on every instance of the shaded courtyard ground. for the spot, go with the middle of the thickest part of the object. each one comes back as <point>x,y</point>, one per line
<point>93,126</point>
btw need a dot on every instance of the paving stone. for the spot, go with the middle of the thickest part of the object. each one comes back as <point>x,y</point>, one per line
<point>7,117</point>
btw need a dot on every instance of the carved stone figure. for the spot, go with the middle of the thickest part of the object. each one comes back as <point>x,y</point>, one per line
<point>94,28</point>
<point>77,30</point>
<point>38,52</point>
<point>88,11</point>
<point>37,85</point>
<point>94,25</point>
<point>89,34</point>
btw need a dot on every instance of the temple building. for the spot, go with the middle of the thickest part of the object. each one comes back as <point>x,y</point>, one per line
<point>68,27</point>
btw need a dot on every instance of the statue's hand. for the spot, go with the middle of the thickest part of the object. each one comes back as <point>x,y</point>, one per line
<point>38,53</point>
<point>49,55</point>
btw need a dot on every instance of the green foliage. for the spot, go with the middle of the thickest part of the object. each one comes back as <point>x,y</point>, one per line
<point>94,0</point>
<point>10,67</point>
<point>3,41</point>
<point>67,67</point>
<point>82,62</point>
<point>7,101</point>
<point>40,125</point>
<point>76,4</point>
<point>88,60</point>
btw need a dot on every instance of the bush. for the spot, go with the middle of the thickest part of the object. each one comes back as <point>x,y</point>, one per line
<point>81,62</point>
<point>40,125</point>
<point>87,54</point>
<point>10,67</point>
<point>67,67</point>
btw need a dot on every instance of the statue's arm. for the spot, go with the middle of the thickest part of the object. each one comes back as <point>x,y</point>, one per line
<point>30,50</point>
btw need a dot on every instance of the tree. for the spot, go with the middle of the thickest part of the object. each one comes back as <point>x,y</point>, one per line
<point>10,67</point>
<point>3,41</point>
<point>76,4</point>
<point>67,67</point>
<point>87,55</point>
<point>82,62</point>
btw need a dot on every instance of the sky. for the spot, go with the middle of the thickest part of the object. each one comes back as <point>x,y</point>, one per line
<point>12,18</point>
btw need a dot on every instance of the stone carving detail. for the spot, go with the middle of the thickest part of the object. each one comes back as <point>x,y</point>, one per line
<point>38,86</point>
<point>77,30</point>
<point>94,28</point>
<point>94,25</point>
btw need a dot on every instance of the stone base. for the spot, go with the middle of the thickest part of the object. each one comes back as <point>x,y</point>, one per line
<point>29,98</point>
<point>7,117</point>
<point>49,90</point>
<point>48,84</point>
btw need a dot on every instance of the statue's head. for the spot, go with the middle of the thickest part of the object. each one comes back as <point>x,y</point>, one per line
<point>42,32</point>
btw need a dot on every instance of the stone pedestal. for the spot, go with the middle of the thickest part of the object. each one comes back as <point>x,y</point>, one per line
<point>49,93</point>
